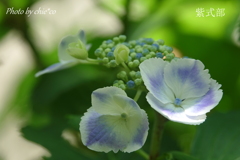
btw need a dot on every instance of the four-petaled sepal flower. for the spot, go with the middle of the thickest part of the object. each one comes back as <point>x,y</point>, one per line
<point>114,122</point>
<point>72,50</point>
<point>181,90</point>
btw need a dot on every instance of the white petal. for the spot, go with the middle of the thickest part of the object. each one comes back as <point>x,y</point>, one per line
<point>152,71</point>
<point>187,78</point>
<point>104,132</point>
<point>204,104</point>
<point>103,100</point>
<point>62,48</point>
<point>56,67</point>
<point>173,113</point>
<point>88,46</point>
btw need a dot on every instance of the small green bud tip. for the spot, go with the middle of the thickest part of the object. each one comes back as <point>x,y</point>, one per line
<point>138,74</point>
<point>105,60</point>
<point>122,38</point>
<point>138,81</point>
<point>133,55</point>
<point>136,63</point>
<point>170,56</point>
<point>160,42</point>
<point>77,50</point>
<point>122,86</point>
<point>142,59</point>
<point>122,75</point>
<point>130,64</point>
<point>121,53</point>
<point>132,74</point>
<point>120,82</point>
<point>116,39</point>
<point>112,63</point>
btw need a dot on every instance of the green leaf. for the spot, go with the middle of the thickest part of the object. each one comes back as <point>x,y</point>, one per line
<point>175,155</point>
<point>218,138</point>
<point>50,138</point>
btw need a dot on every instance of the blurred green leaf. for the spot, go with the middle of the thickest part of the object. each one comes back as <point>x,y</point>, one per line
<point>73,121</point>
<point>175,155</point>
<point>20,101</point>
<point>69,91</point>
<point>218,138</point>
<point>50,138</point>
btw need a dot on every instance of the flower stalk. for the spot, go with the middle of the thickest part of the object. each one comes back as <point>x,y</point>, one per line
<point>157,133</point>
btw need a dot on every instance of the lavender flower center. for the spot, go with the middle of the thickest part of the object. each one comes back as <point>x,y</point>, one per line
<point>178,102</point>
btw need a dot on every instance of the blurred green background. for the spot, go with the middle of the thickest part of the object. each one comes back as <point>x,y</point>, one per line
<point>39,117</point>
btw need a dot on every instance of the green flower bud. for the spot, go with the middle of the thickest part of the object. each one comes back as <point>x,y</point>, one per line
<point>77,50</point>
<point>116,39</point>
<point>120,82</point>
<point>139,50</point>
<point>104,46</point>
<point>115,84</point>
<point>162,48</point>
<point>152,54</point>
<point>138,74</point>
<point>133,55</point>
<point>122,38</point>
<point>142,59</point>
<point>98,52</point>
<point>133,43</point>
<point>138,81</point>
<point>165,52</point>
<point>122,75</point>
<point>160,42</point>
<point>121,53</point>
<point>122,86</point>
<point>113,63</point>
<point>170,56</point>
<point>132,74</point>
<point>105,60</point>
<point>102,55</point>
<point>130,64</point>
<point>110,45</point>
<point>148,56</point>
<point>129,59</point>
<point>107,50</point>
<point>136,63</point>
<point>153,48</point>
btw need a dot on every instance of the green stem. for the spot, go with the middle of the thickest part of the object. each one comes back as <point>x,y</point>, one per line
<point>89,61</point>
<point>138,94</point>
<point>92,60</point>
<point>125,66</point>
<point>157,136</point>
<point>143,154</point>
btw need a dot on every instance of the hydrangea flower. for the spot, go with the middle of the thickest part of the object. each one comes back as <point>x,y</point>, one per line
<point>114,122</point>
<point>180,90</point>
<point>72,50</point>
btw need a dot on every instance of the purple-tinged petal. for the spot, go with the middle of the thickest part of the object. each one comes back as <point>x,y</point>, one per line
<point>82,36</point>
<point>152,71</point>
<point>187,78</point>
<point>103,100</point>
<point>116,125</point>
<point>205,103</point>
<point>173,113</point>
<point>56,67</point>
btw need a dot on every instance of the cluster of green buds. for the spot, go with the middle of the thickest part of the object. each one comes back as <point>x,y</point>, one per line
<point>118,51</point>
